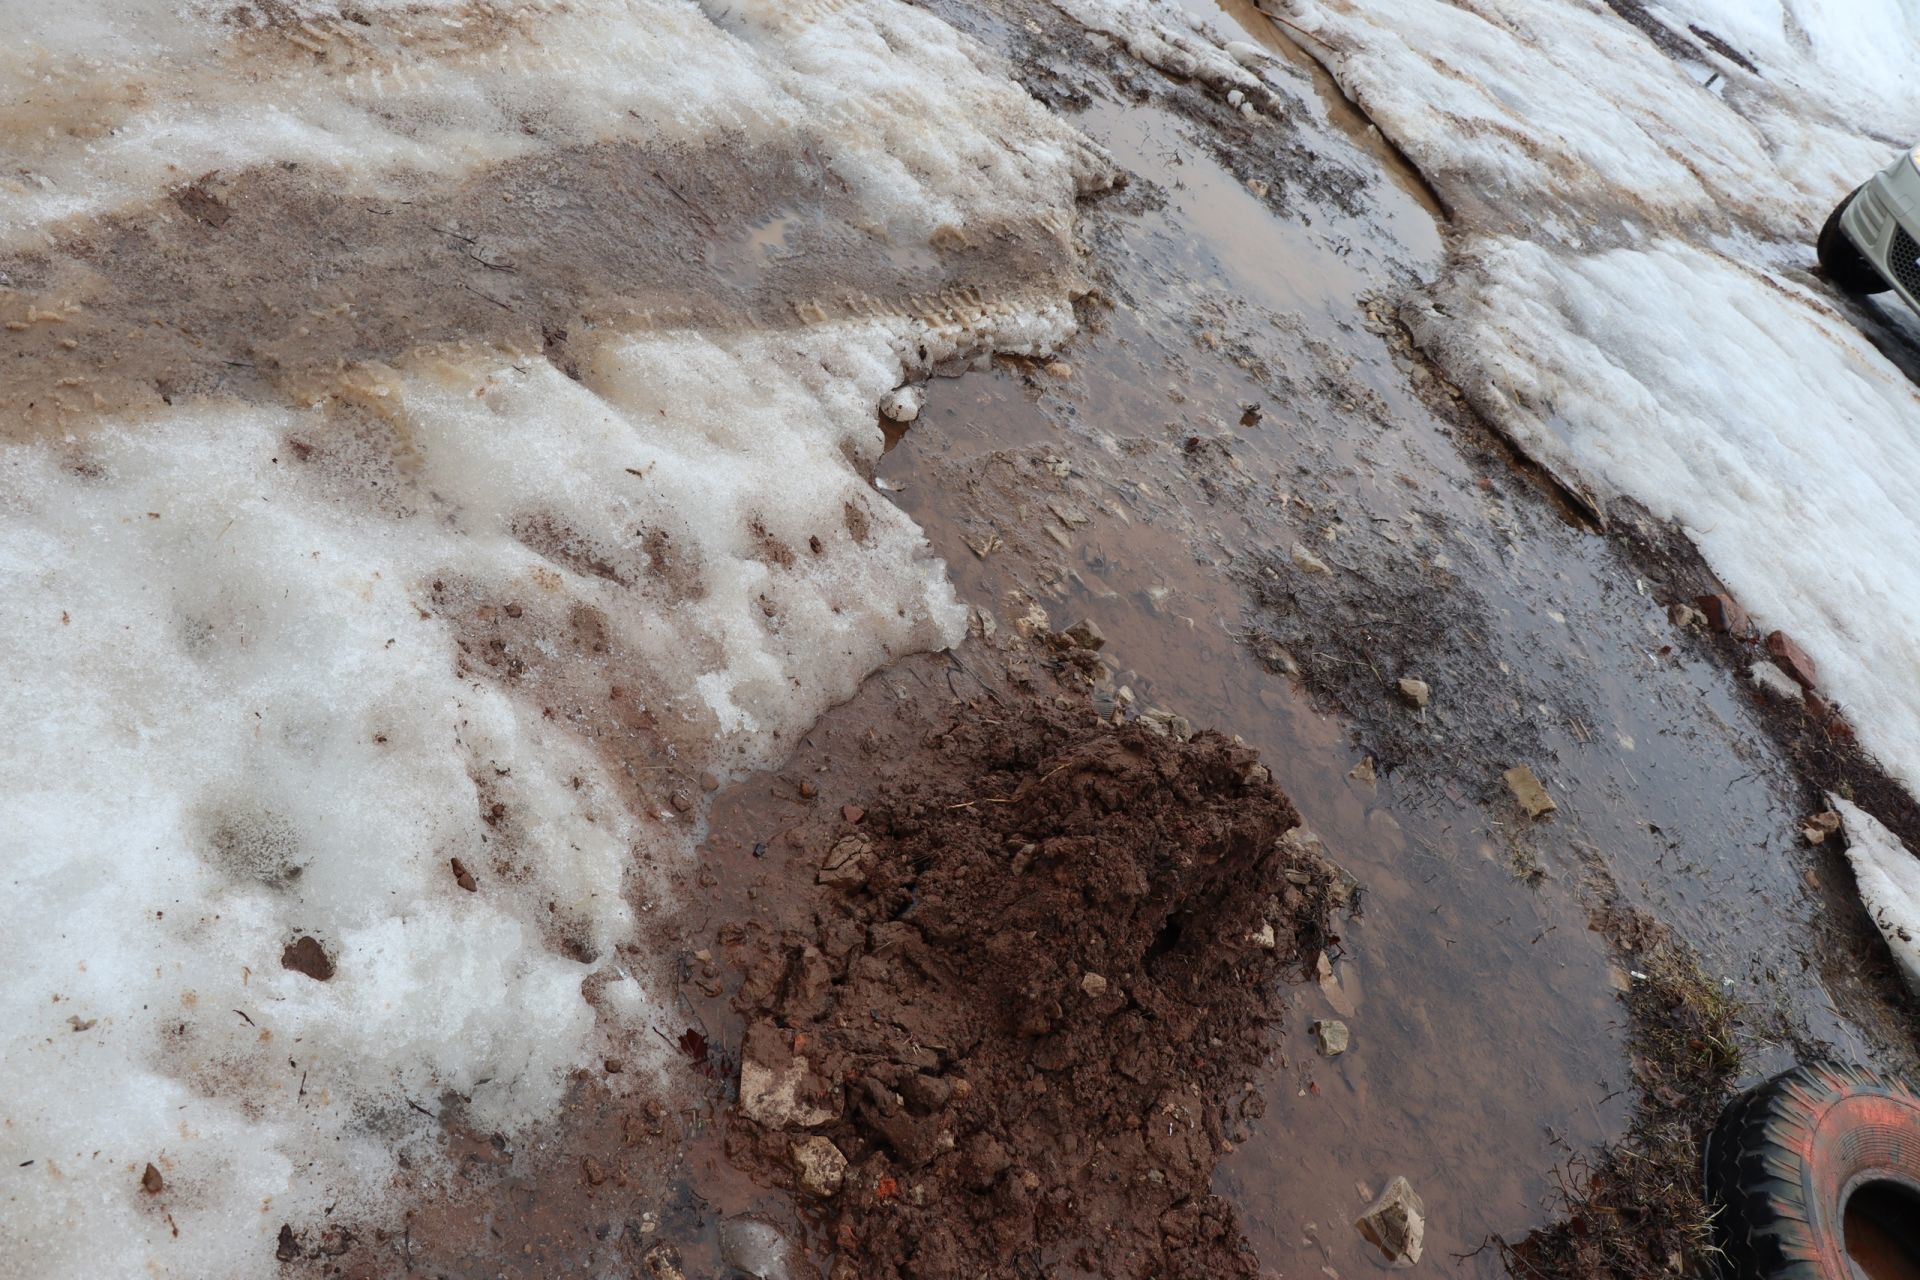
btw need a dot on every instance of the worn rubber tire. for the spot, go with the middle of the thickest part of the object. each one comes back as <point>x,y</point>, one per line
<point>1841,261</point>
<point>1786,1155</point>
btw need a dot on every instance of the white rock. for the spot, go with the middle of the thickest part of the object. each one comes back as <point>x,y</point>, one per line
<point>903,404</point>
<point>1396,1223</point>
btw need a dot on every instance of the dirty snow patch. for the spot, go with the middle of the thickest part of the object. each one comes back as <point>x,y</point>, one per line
<point>350,740</point>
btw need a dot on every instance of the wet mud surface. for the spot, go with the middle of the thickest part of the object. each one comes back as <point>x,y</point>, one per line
<point>1273,512</point>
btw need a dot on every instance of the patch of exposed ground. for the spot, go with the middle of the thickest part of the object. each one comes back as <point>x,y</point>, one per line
<point>1038,971</point>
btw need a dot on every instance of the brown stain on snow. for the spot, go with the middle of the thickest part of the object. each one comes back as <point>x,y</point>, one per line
<point>267,285</point>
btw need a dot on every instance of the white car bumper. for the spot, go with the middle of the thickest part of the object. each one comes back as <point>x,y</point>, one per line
<point>1883,221</point>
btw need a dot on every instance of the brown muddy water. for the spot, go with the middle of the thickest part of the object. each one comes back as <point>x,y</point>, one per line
<point>1236,400</point>
<point>1273,513</point>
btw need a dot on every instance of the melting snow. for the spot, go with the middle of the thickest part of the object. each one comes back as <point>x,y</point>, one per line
<point>1630,299</point>
<point>272,669</point>
<point>1889,880</point>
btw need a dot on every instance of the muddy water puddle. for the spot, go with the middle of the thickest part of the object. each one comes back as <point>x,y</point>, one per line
<point>1234,407</point>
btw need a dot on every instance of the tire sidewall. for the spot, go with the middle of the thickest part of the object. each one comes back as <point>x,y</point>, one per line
<point>1857,1139</point>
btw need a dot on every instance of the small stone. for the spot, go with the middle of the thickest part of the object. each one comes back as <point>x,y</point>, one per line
<point>591,1170</point>
<point>1059,369</point>
<point>1771,680</point>
<point>1364,771</point>
<point>709,782</point>
<point>1685,615</point>
<point>1308,562</point>
<point>808,791</point>
<point>1264,937</point>
<point>1724,614</point>
<point>851,813</point>
<point>1527,790</point>
<point>1396,1224</point>
<point>903,404</point>
<point>1085,635</point>
<point>1821,825</point>
<point>1333,1036</point>
<point>462,876</point>
<point>1094,985</point>
<point>151,1181</point>
<point>680,800</point>
<point>1416,692</point>
<point>821,1168</point>
<point>1792,659</point>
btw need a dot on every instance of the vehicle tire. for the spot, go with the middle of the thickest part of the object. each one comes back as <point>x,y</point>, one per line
<point>1841,261</point>
<point>1788,1156</point>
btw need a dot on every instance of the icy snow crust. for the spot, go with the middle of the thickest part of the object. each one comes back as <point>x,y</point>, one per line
<point>1889,880</point>
<point>1630,299</point>
<point>247,688</point>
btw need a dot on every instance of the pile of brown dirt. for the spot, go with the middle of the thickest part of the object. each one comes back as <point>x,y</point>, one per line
<point>1039,972</point>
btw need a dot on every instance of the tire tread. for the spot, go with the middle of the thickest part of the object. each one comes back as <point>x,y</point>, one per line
<point>1753,1171</point>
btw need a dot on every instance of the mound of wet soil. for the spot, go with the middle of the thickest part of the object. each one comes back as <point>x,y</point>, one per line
<point>1040,970</point>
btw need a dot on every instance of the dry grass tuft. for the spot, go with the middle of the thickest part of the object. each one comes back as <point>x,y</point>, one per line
<point>1636,1210</point>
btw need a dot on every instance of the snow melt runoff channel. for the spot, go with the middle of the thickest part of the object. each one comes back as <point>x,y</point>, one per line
<point>1635,191</point>
<point>353,717</point>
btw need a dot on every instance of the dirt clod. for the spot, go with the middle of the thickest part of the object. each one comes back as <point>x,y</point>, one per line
<point>820,1167</point>
<point>1725,615</point>
<point>305,955</point>
<point>1020,1025</point>
<point>1792,659</point>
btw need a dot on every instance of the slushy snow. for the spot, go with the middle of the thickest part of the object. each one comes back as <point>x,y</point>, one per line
<point>249,690</point>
